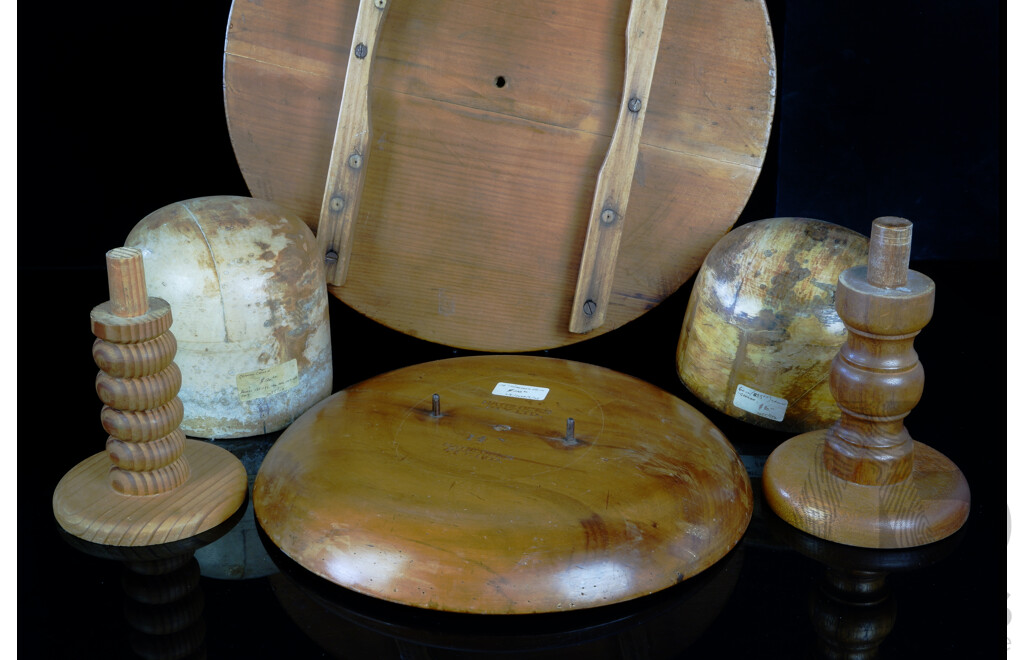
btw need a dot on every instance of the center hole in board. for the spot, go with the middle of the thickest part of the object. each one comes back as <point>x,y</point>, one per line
<point>499,82</point>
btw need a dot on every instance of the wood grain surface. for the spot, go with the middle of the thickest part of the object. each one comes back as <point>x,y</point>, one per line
<point>135,360</point>
<point>492,506</point>
<point>140,393</point>
<point>108,325</point>
<point>931,503</point>
<point>126,281</point>
<point>490,125</point>
<point>142,425</point>
<point>146,455</point>
<point>86,506</point>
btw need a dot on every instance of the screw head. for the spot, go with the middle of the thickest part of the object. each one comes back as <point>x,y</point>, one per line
<point>337,203</point>
<point>380,4</point>
<point>589,307</point>
<point>355,161</point>
<point>361,51</point>
<point>634,104</point>
<point>608,216</point>
<point>331,257</point>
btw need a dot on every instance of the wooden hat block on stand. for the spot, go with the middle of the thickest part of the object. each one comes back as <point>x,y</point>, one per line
<point>865,482</point>
<point>152,485</point>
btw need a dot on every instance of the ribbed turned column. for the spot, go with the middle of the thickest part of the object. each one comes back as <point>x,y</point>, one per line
<point>138,382</point>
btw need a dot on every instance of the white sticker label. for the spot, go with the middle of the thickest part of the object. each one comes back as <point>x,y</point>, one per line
<point>759,403</point>
<point>262,383</point>
<point>520,391</point>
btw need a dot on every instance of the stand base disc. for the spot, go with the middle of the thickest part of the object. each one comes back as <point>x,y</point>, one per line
<point>488,507</point>
<point>86,506</point>
<point>930,505</point>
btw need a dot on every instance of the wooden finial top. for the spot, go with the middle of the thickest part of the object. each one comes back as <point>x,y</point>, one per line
<point>126,278</point>
<point>130,316</point>
<point>889,252</point>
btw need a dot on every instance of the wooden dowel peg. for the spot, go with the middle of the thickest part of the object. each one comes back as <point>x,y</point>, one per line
<point>889,252</point>
<point>126,280</point>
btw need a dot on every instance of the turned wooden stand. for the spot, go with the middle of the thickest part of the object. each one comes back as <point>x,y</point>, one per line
<point>865,481</point>
<point>151,485</point>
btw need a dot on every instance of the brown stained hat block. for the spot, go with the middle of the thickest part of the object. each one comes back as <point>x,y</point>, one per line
<point>490,124</point>
<point>492,505</point>
<point>761,326</point>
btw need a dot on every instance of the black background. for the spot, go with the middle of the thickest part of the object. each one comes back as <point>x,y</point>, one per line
<point>883,108</point>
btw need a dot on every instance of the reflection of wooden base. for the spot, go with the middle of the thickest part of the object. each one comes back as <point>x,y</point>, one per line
<point>87,507</point>
<point>931,504</point>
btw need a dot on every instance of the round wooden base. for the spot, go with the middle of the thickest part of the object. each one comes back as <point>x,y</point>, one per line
<point>480,175</point>
<point>491,505</point>
<point>87,507</point>
<point>930,505</point>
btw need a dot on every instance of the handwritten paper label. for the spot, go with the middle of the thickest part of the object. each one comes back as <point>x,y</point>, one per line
<point>520,391</point>
<point>759,403</point>
<point>262,383</point>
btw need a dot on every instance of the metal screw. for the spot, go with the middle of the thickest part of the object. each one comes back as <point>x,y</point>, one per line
<point>634,104</point>
<point>380,4</point>
<point>608,216</point>
<point>355,161</point>
<point>361,51</point>
<point>589,307</point>
<point>337,203</point>
<point>435,406</point>
<point>570,430</point>
<point>331,258</point>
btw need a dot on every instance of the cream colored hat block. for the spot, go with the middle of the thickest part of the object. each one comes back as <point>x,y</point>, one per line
<point>250,311</point>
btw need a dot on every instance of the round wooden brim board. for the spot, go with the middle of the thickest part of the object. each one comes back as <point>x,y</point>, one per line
<point>490,123</point>
<point>487,507</point>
